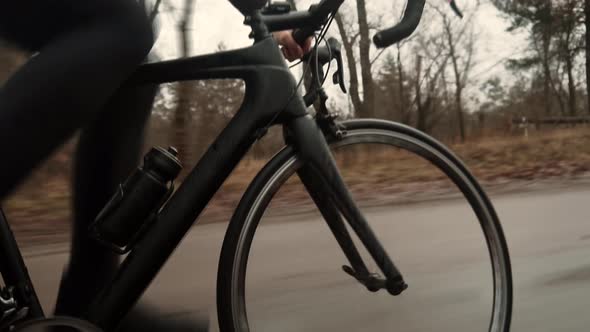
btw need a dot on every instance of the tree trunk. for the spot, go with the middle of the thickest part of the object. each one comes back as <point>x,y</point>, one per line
<point>459,110</point>
<point>351,62</point>
<point>481,119</point>
<point>364,48</point>
<point>587,22</point>
<point>571,85</point>
<point>404,112</point>
<point>547,71</point>
<point>420,109</point>
<point>559,91</point>
<point>182,117</point>
<point>458,82</point>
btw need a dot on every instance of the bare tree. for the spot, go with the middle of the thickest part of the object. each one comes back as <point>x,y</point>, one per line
<point>181,116</point>
<point>421,106</point>
<point>365,60</point>
<point>364,107</point>
<point>403,108</point>
<point>556,35</point>
<point>569,43</point>
<point>431,63</point>
<point>547,60</point>
<point>348,42</point>
<point>460,42</point>
<point>587,37</point>
<point>545,32</point>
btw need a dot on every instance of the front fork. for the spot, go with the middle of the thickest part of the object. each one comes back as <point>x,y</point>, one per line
<point>322,179</point>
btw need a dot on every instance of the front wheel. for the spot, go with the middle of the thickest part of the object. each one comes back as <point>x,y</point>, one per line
<point>291,279</point>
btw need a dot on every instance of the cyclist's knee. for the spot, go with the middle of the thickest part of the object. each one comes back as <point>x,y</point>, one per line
<point>145,34</point>
<point>134,32</point>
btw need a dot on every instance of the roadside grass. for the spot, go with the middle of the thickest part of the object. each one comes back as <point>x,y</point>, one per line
<point>40,209</point>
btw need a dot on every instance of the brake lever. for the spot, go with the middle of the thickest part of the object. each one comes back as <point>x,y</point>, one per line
<point>455,8</point>
<point>326,54</point>
<point>338,77</point>
<point>336,49</point>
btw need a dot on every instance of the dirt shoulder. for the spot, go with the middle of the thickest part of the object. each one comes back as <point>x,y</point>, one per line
<point>39,212</point>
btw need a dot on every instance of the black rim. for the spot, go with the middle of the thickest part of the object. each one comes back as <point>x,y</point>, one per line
<point>233,263</point>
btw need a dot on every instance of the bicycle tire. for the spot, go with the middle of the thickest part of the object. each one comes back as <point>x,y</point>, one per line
<point>231,305</point>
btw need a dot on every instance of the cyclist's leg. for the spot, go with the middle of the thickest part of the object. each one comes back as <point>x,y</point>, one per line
<point>87,49</point>
<point>107,152</point>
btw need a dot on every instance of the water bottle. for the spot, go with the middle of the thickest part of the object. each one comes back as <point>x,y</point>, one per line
<point>137,200</point>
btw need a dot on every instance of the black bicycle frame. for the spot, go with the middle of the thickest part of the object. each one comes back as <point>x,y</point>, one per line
<point>271,97</point>
<point>14,272</point>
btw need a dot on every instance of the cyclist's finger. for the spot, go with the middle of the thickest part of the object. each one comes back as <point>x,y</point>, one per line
<point>286,53</point>
<point>294,53</point>
<point>307,45</point>
<point>297,51</point>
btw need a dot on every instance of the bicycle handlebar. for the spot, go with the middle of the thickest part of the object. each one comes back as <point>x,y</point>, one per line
<point>300,35</point>
<point>404,29</point>
<point>314,17</point>
<point>307,23</point>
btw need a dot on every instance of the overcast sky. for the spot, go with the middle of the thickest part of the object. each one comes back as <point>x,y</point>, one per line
<point>217,21</point>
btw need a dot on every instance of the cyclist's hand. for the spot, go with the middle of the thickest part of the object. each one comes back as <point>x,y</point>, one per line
<point>291,50</point>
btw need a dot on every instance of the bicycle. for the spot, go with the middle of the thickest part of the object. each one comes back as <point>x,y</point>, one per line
<point>147,218</point>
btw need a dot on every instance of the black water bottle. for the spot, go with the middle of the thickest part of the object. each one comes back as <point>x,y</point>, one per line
<point>137,200</point>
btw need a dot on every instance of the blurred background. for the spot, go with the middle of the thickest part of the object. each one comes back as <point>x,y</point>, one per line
<point>506,88</point>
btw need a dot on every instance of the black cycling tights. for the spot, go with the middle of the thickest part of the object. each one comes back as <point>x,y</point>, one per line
<point>86,50</point>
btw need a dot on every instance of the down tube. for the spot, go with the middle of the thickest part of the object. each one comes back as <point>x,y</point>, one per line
<point>143,263</point>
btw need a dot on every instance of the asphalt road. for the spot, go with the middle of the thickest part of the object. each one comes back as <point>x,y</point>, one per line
<point>296,283</point>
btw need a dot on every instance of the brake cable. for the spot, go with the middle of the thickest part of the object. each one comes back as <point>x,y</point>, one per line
<point>329,63</point>
<point>318,40</point>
